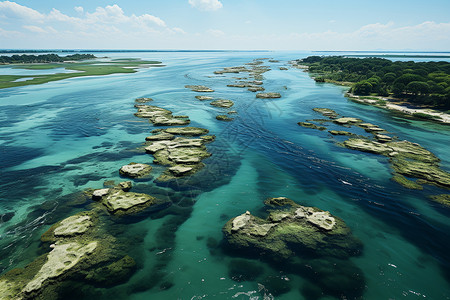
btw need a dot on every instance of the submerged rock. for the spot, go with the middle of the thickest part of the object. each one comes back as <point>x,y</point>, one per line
<point>143,100</point>
<point>256,89</point>
<point>222,103</point>
<point>135,170</point>
<point>326,112</point>
<point>443,199</point>
<point>340,132</point>
<point>203,98</point>
<point>311,125</point>
<point>187,131</point>
<point>224,118</point>
<point>287,232</point>
<point>199,88</point>
<point>268,95</point>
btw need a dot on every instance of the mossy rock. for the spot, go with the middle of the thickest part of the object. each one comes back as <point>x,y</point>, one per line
<point>288,232</point>
<point>71,227</point>
<point>410,184</point>
<point>224,118</point>
<point>443,199</point>
<point>113,274</point>
<point>326,112</point>
<point>422,170</point>
<point>311,125</point>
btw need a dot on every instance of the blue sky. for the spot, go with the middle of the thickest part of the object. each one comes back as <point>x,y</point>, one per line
<point>226,24</point>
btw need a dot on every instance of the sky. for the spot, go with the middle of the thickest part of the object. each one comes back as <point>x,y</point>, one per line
<point>416,25</point>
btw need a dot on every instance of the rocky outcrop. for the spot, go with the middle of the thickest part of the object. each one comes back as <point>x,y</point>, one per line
<point>182,152</point>
<point>347,121</point>
<point>291,230</point>
<point>340,132</point>
<point>204,98</point>
<point>187,131</point>
<point>199,88</point>
<point>283,68</point>
<point>311,125</point>
<point>62,258</point>
<point>143,100</point>
<point>222,103</point>
<point>160,116</point>
<point>268,95</point>
<point>256,89</point>
<point>224,118</point>
<point>326,112</point>
<point>160,136</point>
<point>135,170</point>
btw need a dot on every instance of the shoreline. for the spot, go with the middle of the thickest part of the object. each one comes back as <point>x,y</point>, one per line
<point>435,116</point>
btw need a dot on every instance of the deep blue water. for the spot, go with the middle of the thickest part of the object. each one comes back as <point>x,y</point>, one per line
<point>62,137</point>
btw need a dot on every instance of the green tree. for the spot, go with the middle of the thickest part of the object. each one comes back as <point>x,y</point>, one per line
<point>418,87</point>
<point>362,88</point>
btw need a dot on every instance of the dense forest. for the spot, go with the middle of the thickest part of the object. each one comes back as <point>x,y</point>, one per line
<point>44,58</point>
<point>424,83</point>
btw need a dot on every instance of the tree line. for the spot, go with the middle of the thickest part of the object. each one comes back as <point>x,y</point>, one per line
<point>425,83</point>
<point>44,58</point>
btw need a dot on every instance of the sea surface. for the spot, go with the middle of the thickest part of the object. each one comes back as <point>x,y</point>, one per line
<point>63,137</point>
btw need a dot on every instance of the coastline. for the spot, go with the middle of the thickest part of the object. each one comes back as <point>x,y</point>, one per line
<point>435,116</point>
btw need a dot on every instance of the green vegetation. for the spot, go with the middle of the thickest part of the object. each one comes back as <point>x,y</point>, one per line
<point>44,58</point>
<point>84,68</point>
<point>422,83</point>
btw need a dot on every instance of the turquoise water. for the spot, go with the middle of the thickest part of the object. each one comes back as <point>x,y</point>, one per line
<point>62,137</point>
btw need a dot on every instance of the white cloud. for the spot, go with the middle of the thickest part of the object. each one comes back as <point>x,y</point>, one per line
<point>149,19</point>
<point>14,10</point>
<point>79,9</point>
<point>178,30</point>
<point>206,5</point>
<point>33,28</point>
<point>215,32</point>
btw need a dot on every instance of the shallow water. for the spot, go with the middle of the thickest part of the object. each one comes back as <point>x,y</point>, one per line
<point>65,136</point>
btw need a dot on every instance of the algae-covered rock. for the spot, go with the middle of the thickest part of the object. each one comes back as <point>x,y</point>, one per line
<point>135,170</point>
<point>143,100</point>
<point>443,199</point>
<point>119,202</point>
<point>326,112</point>
<point>160,137</point>
<point>400,179</point>
<point>340,132</point>
<point>256,89</point>
<point>222,103</point>
<point>347,121</point>
<point>160,116</point>
<point>429,172</point>
<point>70,227</point>
<point>283,68</point>
<point>287,232</point>
<point>187,131</point>
<point>199,88</point>
<point>224,118</point>
<point>113,274</point>
<point>382,138</point>
<point>311,125</point>
<point>62,258</point>
<point>204,98</point>
<point>366,145</point>
<point>208,138</point>
<point>268,95</point>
